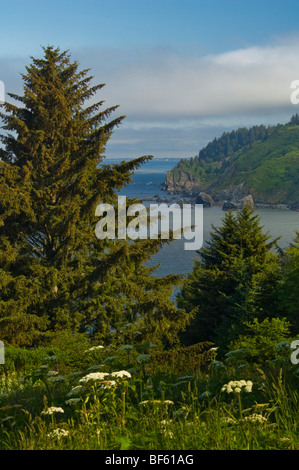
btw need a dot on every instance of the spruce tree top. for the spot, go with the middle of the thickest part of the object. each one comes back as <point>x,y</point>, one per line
<point>54,273</point>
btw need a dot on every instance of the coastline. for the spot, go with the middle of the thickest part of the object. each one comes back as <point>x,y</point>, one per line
<point>184,199</point>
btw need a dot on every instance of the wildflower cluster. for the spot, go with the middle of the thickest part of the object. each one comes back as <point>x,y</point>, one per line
<point>121,374</point>
<point>252,419</point>
<point>58,433</point>
<point>236,386</point>
<point>165,428</point>
<point>255,419</point>
<point>101,376</point>
<point>156,402</point>
<point>94,348</point>
<point>94,377</point>
<point>52,410</point>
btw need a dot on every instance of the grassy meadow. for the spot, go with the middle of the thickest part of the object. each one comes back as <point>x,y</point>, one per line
<point>74,395</point>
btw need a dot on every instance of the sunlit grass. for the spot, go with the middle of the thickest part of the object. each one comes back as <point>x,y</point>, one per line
<point>107,408</point>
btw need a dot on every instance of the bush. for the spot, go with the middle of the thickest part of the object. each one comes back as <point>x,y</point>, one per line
<point>21,359</point>
<point>260,342</point>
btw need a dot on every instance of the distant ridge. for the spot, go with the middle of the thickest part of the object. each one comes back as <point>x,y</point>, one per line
<point>260,161</point>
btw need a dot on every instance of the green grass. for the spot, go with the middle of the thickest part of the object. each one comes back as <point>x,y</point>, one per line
<point>150,411</point>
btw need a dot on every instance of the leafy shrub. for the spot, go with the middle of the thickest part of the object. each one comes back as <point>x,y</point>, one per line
<point>22,359</point>
<point>182,360</point>
<point>259,344</point>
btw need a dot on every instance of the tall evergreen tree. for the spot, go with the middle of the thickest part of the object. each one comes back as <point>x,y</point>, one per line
<point>289,287</point>
<point>233,281</point>
<point>54,272</point>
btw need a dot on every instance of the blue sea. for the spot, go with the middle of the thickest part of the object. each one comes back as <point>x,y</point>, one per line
<point>173,258</point>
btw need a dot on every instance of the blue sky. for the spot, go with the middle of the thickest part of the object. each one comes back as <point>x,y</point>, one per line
<point>202,26</point>
<point>182,72</point>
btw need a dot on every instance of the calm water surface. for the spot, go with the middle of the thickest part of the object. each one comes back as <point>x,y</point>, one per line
<point>173,259</point>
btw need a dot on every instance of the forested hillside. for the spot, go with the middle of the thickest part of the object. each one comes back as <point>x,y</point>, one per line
<point>259,161</point>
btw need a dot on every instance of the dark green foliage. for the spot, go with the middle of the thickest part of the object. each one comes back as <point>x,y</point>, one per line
<point>54,273</point>
<point>263,340</point>
<point>230,142</point>
<point>22,360</point>
<point>183,360</point>
<point>294,120</point>
<point>213,158</point>
<point>289,286</point>
<point>234,281</point>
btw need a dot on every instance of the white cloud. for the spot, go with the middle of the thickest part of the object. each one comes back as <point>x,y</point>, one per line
<point>174,104</point>
<point>237,82</point>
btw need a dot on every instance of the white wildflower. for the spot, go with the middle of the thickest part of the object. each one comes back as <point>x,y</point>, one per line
<point>94,348</point>
<point>51,373</point>
<point>165,422</point>
<point>285,440</point>
<point>121,374</point>
<point>58,433</point>
<point>157,402</point>
<point>94,376</point>
<point>236,386</point>
<point>108,384</point>
<point>52,410</point>
<point>255,419</point>
<point>228,420</point>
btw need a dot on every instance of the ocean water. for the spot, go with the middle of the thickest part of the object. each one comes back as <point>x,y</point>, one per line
<point>172,257</point>
<point>148,178</point>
